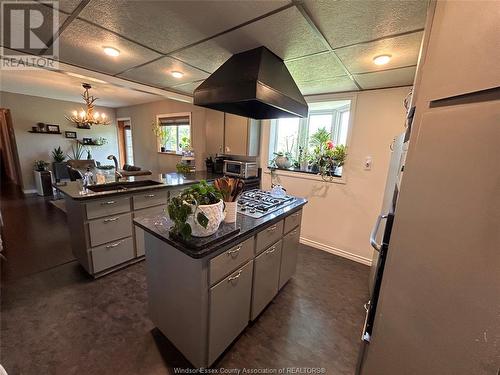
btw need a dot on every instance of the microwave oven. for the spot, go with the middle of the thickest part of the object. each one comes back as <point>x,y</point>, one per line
<point>240,169</point>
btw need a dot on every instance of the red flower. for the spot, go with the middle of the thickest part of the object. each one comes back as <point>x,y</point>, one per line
<point>330,145</point>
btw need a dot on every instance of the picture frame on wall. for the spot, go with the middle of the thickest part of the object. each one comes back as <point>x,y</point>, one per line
<point>70,134</point>
<point>87,141</point>
<point>52,128</point>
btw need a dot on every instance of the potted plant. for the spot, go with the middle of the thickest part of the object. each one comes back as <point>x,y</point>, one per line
<point>303,161</point>
<point>161,133</point>
<point>77,151</point>
<point>40,165</point>
<point>58,165</point>
<point>197,211</point>
<point>284,159</point>
<point>327,158</point>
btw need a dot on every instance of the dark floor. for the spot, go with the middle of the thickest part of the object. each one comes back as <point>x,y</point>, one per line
<point>35,233</point>
<point>58,321</point>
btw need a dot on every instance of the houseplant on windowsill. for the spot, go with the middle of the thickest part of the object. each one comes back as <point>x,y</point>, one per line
<point>327,158</point>
<point>161,133</point>
<point>197,211</point>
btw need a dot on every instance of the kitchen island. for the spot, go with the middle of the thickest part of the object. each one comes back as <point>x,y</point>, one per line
<point>202,297</point>
<point>103,238</point>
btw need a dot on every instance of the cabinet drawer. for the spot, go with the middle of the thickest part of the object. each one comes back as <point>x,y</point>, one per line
<point>229,310</point>
<point>150,198</point>
<point>289,256</point>
<point>110,228</point>
<point>293,221</point>
<point>266,278</point>
<point>107,207</point>
<point>107,256</point>
<point>139,233</point>
<point>231,259</point>
<point>269,236</point>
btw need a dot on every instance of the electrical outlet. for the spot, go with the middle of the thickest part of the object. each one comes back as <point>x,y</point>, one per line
<point>368,163</point>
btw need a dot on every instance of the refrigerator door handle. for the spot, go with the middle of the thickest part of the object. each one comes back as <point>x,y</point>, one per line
<point>373,236</point>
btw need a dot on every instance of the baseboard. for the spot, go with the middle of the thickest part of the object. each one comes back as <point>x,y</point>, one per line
<point>29,191</point>
<point>334,250</point>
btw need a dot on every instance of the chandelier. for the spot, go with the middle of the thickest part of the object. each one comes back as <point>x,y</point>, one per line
<point>84,119</point>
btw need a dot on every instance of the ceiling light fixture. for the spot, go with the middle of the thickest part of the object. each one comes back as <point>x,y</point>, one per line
<point>177,74</point>
<point>381,59</point>
<point>84,119</point>
<point>110,51</point>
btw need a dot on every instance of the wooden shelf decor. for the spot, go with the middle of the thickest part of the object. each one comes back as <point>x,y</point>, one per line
<point>44,132</point>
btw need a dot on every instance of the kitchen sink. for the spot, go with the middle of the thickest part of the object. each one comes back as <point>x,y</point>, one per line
<point>125,185</point>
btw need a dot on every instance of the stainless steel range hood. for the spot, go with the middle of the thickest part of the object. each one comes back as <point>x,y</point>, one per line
<point>255,84</point>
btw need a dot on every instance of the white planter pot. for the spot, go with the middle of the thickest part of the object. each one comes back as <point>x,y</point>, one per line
<point>215,215</point>
<point>230,212</point>
<point>283,162</point>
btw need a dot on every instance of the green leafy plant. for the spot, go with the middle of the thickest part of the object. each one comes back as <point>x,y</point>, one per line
<point>326,156</point>
<point>185,143</point>
<point>105,167</point>
<point>40,165</point>
<point>77,151</point>
<point>180,207</point>
<point>182,168</point>
<point>58,155</point>
<point>161,132</point>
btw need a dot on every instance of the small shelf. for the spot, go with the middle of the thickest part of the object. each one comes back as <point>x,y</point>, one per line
<point>90,144</point>
<point>31,131</point>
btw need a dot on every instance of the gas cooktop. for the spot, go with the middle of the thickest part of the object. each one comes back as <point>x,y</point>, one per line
<point>257,203</point>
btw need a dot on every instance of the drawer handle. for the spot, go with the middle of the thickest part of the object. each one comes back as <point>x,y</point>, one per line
<point>113,245</point>
<point>149,196</point>
<point>107,203</point>
<point>271,250</point>
<point>296,214</point>
<point>111,219</point>
<point>272,228</point>
<point>232,278</point>
<point>294,232</point>
<point>234,251</point>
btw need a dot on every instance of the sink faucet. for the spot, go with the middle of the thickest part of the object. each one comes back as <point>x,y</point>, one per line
<point>118,175</point>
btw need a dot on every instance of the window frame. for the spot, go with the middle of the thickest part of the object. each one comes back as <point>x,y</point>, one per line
<point>307,174</point>
<point>177,114</point>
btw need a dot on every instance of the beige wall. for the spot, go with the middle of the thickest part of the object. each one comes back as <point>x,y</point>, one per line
<point>339,217</point>
<point>27,110</point>
<point>145,147</point>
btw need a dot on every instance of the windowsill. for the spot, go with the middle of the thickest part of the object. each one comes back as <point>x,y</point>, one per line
<point>307,175</point>
<point>170,153</point>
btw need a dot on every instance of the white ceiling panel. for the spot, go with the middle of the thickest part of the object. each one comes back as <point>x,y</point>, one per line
<point>81,44</point>
<point>158,73</point>
<point>403,50</point>
<point>187,88</point>
<point>55,85</point>
<point>345,22</point>
<point>207,56</point>
<point>337,84</point>
<point>286,33</point>
<point>389,78</point>
<point>169,25</point>
<point>321,66</point>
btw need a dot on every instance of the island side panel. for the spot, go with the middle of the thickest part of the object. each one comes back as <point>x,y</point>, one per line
<point>178,298</point>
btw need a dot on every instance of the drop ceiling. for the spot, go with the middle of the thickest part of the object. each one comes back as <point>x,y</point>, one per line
<point>328,46</point>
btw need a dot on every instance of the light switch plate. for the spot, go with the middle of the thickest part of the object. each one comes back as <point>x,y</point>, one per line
<point>368,163</point>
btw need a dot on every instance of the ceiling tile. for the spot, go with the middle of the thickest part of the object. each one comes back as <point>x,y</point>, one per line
<point>187,88</point>
<point>207,56</point>
<point>348,22</point>
<point>337,84</point>
<point>388,78</point>
<point>169,25</point>
<point>81,44</point>
<point>403,49</point>
<point>158,74</point>
<point>286,33</point>
<point>317,67</point>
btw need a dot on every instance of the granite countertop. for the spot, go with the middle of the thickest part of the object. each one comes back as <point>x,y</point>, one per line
<point>159,225</point>
<point>73,190</point>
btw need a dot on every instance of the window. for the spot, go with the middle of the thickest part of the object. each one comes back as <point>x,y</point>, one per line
<point>129,154</point>
<point>294,137</point>
<point>174,134</point>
